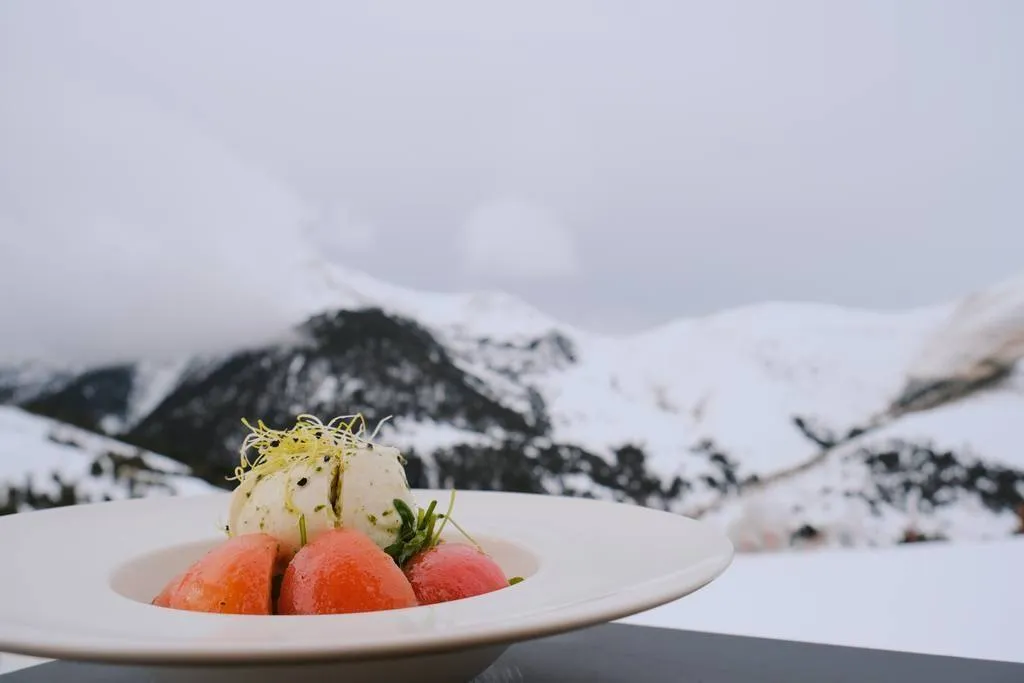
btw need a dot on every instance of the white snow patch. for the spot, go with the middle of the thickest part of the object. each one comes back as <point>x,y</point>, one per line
<point>29,455</point>
<point>940,599</point>
<point>985,325</point>
<point>429,436</point>
<point>154,381</point>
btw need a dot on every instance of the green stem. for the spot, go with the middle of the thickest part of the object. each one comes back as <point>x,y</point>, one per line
<point>444,519</point>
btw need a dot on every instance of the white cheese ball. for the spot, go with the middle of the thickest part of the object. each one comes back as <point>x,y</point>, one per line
<point>370,483</point>
<point>355,491</point>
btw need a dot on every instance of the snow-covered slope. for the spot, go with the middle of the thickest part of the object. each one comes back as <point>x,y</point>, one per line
<point>793,407</point>
<point>951,600</point>
<point>985,327</point>
<point>738,378</point>
<point>953,472</point>
<point>44,463</point>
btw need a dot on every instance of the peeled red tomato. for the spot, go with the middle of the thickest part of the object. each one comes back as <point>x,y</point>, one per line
<point>233,578</point>
<point>343,571</point>
<point>452,571</point>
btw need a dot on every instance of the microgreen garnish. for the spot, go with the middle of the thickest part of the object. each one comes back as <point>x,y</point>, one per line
<point>462,531</point>
<point>444,517</point>
<point>514,580</point>
<point>307,440</point>
<point>417,533</point>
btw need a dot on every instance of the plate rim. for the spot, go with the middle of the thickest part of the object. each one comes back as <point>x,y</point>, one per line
<point>627,601</point>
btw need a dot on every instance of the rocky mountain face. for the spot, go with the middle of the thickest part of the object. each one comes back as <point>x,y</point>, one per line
<point>383,366</point>
<point>699,417</point>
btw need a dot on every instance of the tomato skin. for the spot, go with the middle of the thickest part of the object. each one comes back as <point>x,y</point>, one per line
<point>452,571</point>
<point>233,578</point>
<point>343,571</point>
<point>163,599</point>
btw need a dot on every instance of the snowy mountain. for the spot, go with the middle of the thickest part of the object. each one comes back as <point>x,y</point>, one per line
<point>955,472</point>
<point>44,463</point>
<point>788,422</point>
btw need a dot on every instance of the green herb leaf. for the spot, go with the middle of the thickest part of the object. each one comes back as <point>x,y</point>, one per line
<point>514,580</point>
<point>302,530</point>
<point>428,516</point>
<point>415,532</point>
<point>405,513</point>
<point>420,532</point>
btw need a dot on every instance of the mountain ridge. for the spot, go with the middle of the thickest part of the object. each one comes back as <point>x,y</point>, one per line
<point>687,418</point>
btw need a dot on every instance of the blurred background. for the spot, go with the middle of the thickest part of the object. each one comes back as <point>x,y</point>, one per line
<point>759,263</point>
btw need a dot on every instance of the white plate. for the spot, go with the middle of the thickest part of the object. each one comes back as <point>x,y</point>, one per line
<point>75,583</point>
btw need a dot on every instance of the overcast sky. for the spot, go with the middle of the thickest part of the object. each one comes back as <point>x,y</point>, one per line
<point>615,163</point>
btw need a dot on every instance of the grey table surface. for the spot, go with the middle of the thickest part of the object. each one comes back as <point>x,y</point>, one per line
<point>638,654</point>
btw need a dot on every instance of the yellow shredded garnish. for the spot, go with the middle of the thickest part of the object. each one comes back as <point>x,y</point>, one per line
<point>308,439</point>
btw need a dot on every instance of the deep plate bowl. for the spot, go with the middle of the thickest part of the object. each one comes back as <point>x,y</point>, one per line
<point>75,583</point>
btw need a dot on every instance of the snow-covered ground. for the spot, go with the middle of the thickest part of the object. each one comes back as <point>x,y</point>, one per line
<point>959,600</point>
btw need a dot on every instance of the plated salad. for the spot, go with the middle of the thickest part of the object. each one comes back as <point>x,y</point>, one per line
<point>322,521</point>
